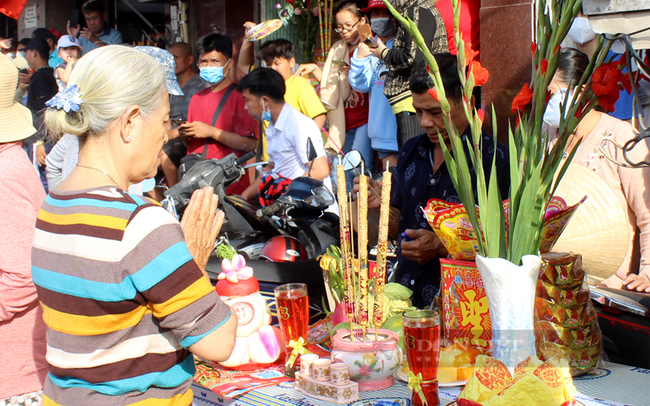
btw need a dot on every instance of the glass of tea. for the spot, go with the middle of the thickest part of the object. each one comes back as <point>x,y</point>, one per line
<point>292,305</point>
<point>422,345</point>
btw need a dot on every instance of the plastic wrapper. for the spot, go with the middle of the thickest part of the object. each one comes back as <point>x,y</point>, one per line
<point>566,324</point>
<point>453,227</point>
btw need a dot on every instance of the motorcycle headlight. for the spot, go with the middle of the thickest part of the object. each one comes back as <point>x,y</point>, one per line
<point>324,195</point>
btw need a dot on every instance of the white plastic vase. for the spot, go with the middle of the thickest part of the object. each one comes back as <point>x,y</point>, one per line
<point>510,291</point>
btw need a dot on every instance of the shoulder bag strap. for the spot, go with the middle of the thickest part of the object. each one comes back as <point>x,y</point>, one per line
<point>215,116</point>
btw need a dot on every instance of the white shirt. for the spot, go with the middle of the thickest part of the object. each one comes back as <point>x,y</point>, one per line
<point>287,145</point>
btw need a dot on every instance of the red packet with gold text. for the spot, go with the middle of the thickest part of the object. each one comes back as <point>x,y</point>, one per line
<point>465,310</point>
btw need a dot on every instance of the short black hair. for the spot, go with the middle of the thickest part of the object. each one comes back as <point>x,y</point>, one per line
<point>572,66</point>
<point>24,41</point>
<point>214,42</point>
<point>280,48</point>
<point>93,5</point>
<point>421,82</point>
<point>43,33</point>
<point>264,82</point>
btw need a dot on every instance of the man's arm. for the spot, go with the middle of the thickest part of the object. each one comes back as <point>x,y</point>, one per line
<point>235,141</point>
<point>319,169</point>
<point>320,120</point>
<point>246,53</point>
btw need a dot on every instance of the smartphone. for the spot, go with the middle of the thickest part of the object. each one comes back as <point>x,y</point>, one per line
<point>178,121</point>
<point>365,33</point>
<point>339,63</point>
<point>75,16</point>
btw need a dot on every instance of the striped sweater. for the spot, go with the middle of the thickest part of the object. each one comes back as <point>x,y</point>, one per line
<point>122,300</point>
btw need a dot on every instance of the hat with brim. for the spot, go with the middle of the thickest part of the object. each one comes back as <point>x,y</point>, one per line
<point>15,119</point>
<point>20,63</point>
<point>40,45</point>
<point>5,43</point>
<point>599,229</point>
<point>374,4</point>
<point>69,41</point>
<point>166,60</point>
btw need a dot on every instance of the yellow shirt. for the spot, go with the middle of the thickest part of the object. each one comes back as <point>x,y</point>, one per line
<point>301,96</point>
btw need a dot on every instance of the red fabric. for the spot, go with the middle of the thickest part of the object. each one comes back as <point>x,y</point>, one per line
<point>233,118</point>
<point>469,23</point>
<point>356,108</point>
<point>12,8</point>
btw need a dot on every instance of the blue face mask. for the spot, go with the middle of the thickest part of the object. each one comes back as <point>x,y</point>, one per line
<point>266,114</point>
<point>212,74</point>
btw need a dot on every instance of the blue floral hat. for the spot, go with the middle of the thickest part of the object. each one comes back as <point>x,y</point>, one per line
<point>166,60</point>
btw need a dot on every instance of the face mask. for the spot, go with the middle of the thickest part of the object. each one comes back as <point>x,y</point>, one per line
<point>266,114</point>
<point>580,31</point>
<point>554,110</point>
<point>11,55</point>
<point>213,74</point>
<point>384,27</point>
<point>21,54</point>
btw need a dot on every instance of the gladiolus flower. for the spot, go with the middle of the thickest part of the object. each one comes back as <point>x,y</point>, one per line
<point>470,54</point>
<point>533,47</point>
<point>434,94</point>
<point>481,74</point>
<point>544,66</point>
<point>315,11</point>
<point>605,84</point>
<point>522,98</point>
<point>481,115</point>
<point>297,11</point>
<point>557,48</point>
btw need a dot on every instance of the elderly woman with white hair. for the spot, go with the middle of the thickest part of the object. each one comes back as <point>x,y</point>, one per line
<point>123,287</point>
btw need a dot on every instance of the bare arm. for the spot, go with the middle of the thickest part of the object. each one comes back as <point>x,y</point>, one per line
<point>319,168</point>
<point>246,53</point>
<point>310,68</point>
<point>320,120</point>
<point>218,345</point>
<point>235,141</point>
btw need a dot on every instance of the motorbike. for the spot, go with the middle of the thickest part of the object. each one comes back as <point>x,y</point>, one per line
<point>298,214</point>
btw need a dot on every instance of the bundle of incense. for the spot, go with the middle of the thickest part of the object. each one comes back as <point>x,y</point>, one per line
<point>321,24</point>
<point>346,260</point>
<point>363,251</point>
<point>329,30</point>
<point>382,246</point>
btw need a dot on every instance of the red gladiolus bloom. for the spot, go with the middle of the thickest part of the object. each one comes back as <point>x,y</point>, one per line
<point>481,75</point>
<point>605,84</point>
<point>544,66</point>
<point>434,94</point>
<point>522,98</point>
<point>626,82</point>
<point>481,115</point>
<point>533,47</point>
<point>557,48</point>
<point>470,54</point>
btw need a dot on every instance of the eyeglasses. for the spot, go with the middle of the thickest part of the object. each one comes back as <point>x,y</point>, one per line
<point>345,28</point>
<point>204,63</point>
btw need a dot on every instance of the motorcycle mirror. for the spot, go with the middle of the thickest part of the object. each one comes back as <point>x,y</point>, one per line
<point>311,151</point>
<point>352,160</point>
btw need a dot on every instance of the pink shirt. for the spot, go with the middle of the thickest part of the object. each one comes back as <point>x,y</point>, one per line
<point>632,183</point>
<point>22,331</point>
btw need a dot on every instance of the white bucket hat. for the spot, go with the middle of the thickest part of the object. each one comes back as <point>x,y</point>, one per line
<point>15,119</point>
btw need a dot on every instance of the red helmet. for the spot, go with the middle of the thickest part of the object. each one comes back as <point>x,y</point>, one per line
<point>283,248</point>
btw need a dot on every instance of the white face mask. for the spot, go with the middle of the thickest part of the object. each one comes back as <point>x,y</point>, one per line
<point>553,110</point>
<point>580,31</point>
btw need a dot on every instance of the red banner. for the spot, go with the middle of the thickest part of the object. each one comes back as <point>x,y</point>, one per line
<point>12,8</point>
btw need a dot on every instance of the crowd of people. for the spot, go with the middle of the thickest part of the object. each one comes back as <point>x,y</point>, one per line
<point>113,287</point>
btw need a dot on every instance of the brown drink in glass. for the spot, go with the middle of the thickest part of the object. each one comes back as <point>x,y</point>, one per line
<point>422,345</point>
<point>292,304</point>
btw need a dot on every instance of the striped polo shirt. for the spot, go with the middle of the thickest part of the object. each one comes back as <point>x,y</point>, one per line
<point>122,300</point>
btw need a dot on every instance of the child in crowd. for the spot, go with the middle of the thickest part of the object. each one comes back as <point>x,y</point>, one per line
<point>70,51</point>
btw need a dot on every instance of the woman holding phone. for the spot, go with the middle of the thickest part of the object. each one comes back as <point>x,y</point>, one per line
<point>347,109</point>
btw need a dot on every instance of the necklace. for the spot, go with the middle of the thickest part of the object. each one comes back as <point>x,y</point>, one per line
<point>99,170</point>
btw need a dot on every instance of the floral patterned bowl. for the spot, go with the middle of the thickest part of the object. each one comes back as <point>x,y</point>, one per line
<point>371,362</point>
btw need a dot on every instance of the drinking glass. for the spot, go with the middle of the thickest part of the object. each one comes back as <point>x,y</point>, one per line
<point>292,304</point>
<point>422,345</point>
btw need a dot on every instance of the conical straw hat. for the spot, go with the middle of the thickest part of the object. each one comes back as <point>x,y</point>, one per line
<point>15,119</point>
<point>599,229</point>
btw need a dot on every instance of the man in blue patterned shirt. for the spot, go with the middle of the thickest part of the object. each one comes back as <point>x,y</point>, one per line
<point>421,175</point>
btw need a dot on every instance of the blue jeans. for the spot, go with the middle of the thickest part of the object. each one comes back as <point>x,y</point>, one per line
<point>357,138</point>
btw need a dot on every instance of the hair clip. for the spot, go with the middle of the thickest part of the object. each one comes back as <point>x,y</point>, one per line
<point>67,99</point>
